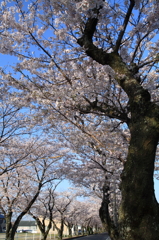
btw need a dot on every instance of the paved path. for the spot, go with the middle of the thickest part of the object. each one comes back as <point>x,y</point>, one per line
<point>102,236</point>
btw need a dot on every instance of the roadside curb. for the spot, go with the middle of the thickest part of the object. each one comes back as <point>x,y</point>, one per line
<point>108,238</point>
<point>74,237</point>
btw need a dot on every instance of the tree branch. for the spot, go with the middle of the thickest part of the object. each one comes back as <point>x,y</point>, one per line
<point>126,20</point>
<point>107,110</point>
<point>86,41</point>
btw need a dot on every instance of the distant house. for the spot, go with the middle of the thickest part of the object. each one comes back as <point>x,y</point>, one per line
<point>27,225</point>
<point>31,226</point>
<point>2,224</point>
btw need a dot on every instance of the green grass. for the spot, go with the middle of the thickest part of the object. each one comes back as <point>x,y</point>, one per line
<point>28,236</point>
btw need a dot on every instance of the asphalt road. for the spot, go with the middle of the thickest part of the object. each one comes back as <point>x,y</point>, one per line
<point>102,236</point>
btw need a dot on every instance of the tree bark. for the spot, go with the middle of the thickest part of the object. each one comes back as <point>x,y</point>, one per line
<point>70,231</point>
<point>42,226</point>
<point>9,234</point>
<point>11,228</point>
<point>139,211</point>
<point>108,224</point>
<point>60,234</point>
<point>59,229</point>
<point>69,226</point>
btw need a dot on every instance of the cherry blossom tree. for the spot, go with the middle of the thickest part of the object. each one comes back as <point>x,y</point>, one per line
<point>62,204</point>
<point>42,210</point>
<point>72,216</point>
<point>103,65</point>
<point>21,186</point>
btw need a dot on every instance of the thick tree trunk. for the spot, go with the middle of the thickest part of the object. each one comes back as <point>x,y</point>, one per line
<point>11,228</point>
<point>104,210</point>
<point>108,224</point>
<point>70,229</point>
<point>60,234</point>
<point>83,230</point>
<point>44,236</point>
<point>9,233</point>
<point>70,232</point>
<point>42,226</point>
<point>139,211</point>
<point>60,229</point>
<point>75,230</point>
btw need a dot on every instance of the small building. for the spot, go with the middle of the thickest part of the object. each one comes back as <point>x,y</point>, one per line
<point>31,226</point>
<point>27,226</point>
<point>2,224</point>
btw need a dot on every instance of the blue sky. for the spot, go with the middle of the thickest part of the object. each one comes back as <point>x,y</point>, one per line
<point>156,183</point>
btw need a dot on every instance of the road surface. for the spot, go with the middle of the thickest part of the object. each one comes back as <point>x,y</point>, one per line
<point>102,236</point>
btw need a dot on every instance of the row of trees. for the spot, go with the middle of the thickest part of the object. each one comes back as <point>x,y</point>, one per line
<point>62,208</point>
<point>91,85</point>
<point>47,207</point>
<point>32,166</point>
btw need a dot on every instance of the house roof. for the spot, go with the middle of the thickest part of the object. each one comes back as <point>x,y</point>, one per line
<point>27,223</point>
